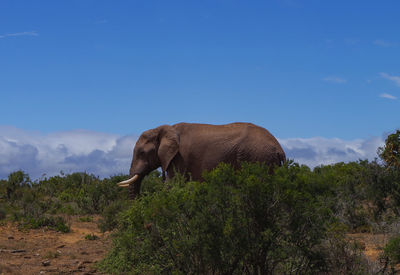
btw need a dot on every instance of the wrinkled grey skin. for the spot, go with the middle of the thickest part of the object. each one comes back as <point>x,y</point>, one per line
<point>190,149</point>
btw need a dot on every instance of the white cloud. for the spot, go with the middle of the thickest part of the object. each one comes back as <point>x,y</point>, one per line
<point>384,43</point>
<point>395,79</point>
<point>318,150</point>
<point>334,79</point>
<point>388,96</point>
<point>106,154</point>
<point>36,153</point>
<point>31,33</point>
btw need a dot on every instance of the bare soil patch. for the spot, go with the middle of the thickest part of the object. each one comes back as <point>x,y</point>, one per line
<point>41,251</point>
<point>373,244</point>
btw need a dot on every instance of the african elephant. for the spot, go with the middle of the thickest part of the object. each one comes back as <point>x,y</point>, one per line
<point>190,149</point>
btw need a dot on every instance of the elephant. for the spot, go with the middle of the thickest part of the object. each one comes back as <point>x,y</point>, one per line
<point>192,148</point>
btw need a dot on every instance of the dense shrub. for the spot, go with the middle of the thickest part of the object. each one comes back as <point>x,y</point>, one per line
<point>80,193</point>
<point>110,216</point>
<point>392,250</point>
<point>16,181</point>
<point>38,204</point>
<point>390,152</point>
<point>343,191</point>
<point>236,222</point>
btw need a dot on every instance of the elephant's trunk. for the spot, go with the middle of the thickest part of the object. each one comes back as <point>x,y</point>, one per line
<point>128,182</point>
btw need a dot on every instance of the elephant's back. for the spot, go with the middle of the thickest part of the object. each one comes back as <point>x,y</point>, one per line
<point>236,130</point>
<point>231,128</point>
<point>258,144</point>
<point>247,141</point>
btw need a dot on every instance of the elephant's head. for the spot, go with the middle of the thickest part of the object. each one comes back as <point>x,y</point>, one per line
<point>154,148</point>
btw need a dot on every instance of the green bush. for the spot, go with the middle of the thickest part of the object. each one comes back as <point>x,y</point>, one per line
<point>91,237</point>
<point>16,181</point>
<point>390,152</point>
<point>111,212</point>
<point>151,183</point>
<point>392,250</point>
<point>34,203</point>
<point>3,190</point>
<point>236,222</point>
<point>70,208</point>
<point>3,213</point>
<point>96,195</point>
<point>86,219</point>
<point>110,215</point>
<point>55,223</point>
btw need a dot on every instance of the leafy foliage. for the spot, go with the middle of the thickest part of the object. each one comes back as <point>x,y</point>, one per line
<point>55,223</point>
<point>392,249</point>
<point>91,237</point>
<point>15,181</point>
<point>41,203</point>
<point>235,222</point>
<point>390,153</point>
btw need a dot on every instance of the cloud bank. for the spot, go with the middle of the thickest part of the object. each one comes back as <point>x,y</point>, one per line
<point>73,151</point>
<point>105,154</point>
<point>318,150</point>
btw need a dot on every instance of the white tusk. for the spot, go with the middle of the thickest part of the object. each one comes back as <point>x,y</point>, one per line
<point>126,183</point>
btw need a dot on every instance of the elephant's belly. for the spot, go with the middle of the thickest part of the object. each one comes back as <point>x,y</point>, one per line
<point>209,161</point>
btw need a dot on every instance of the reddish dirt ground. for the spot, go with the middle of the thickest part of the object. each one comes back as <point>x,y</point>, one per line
<point>41,251</point>
<point>373,244</point>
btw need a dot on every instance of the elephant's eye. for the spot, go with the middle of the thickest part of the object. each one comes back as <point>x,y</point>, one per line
<point>151,150</point>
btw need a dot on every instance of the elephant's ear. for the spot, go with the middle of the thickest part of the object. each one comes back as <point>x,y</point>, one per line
<point>169,145</point>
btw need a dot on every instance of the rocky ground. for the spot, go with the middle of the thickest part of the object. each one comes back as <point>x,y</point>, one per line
<point>42,251</point>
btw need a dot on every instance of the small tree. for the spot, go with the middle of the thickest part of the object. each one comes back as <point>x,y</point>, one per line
<point>390,152</point>
<point>15,180</point>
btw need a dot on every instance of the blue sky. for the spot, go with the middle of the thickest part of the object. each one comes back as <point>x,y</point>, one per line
<point>305,70</point>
